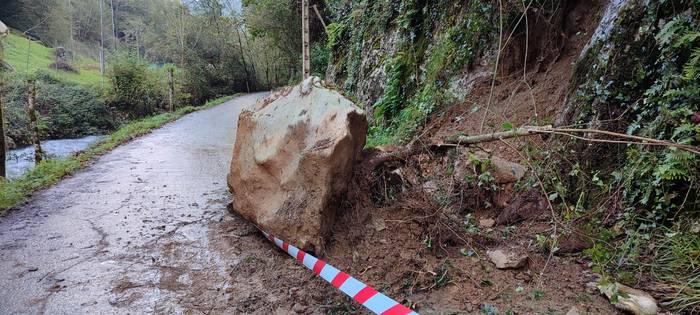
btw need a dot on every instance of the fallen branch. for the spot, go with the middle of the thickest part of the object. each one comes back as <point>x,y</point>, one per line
<point>494,136</point>
<point>464,140</point>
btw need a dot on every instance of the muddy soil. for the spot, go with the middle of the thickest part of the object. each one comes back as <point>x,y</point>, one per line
<point>145,229</point>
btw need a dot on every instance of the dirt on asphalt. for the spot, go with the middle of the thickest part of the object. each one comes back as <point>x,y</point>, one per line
<point>145,229</point>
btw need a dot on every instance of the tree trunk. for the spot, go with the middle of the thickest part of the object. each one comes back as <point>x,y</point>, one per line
<point>252,64</point>
<point>171,89</point>
<point>33,125</point>
<point>267,71</point>
<point>3,145</point>
<point>245,67</point>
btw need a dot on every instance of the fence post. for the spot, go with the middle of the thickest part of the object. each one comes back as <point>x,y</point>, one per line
<point>33,124</point>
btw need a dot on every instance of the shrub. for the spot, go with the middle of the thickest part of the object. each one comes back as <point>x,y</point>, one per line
<point>66,110</point>
<point>74,111</point>
<point>133,87</point>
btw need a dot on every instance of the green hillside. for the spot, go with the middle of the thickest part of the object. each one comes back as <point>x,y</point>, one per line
<point>41,57</point>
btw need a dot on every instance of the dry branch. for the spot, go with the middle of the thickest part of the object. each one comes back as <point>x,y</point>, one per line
<point>464,140</point>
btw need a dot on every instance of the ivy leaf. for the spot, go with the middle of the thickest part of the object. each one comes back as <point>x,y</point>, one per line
<point>507,126</point>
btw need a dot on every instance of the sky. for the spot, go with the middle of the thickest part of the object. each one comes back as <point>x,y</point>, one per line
<point>237,5</point>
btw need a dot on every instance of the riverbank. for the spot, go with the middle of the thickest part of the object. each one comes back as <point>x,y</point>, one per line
<point>46,173</point>
<point>19,161</point>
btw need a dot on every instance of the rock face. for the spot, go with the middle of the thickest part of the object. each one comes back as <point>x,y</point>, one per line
<point>292,161</point>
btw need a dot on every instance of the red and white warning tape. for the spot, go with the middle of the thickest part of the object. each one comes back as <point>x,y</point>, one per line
<point>360,292</point>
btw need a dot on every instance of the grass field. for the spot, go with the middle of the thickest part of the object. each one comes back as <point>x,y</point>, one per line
<point>18,47</point>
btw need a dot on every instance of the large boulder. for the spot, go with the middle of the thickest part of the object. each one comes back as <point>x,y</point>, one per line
<point>293,159</point>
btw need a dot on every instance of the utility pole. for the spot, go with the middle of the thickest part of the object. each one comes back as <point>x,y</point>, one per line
<point>306,58</point>
<point>114,26</point>
<point>102,43</point>
<point>72,40</point>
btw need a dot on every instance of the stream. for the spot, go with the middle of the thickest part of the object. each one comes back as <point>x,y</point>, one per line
<point>21,160</point>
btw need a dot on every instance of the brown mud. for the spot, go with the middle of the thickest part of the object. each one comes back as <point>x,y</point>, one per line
<point>145,228</point>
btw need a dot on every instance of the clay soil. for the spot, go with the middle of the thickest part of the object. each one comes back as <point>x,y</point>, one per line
<point>423,244</point>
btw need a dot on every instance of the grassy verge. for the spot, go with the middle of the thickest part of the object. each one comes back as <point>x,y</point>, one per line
<point>51,171</point>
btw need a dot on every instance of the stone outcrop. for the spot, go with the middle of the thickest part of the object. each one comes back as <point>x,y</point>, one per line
<point>292,160</point>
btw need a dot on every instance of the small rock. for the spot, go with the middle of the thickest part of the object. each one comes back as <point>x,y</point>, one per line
<point>573,242</point>
<point>469,307</point>
<point>487,223</point>
<point>298,308</point>
<point>430,187</point>
<point>504,171</point>
<point>695,118</point>
<point>10,143</point>
<point>573,311</point>
<point>32,269</point>
<point>695,227</point>
<point>379,224</point>
<point>631,300</point>
<point>506,260</point>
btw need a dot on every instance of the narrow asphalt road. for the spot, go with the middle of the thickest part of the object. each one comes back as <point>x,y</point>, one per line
<point>144,229</point>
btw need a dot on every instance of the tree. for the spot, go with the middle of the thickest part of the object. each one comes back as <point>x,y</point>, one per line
<point>3,145</point>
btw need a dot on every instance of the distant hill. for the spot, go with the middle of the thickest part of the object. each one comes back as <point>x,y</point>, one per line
<point>41,57</point>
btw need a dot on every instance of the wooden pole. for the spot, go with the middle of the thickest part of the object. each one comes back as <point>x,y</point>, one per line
<point>306,58</point>
<point>72,39</point>
<point>33,124</point>
<point>114,25</point>
<point>171,89</point>
<point>102,45</point>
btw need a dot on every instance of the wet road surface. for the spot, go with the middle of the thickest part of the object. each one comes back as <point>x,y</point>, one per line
<point>144,229</point>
